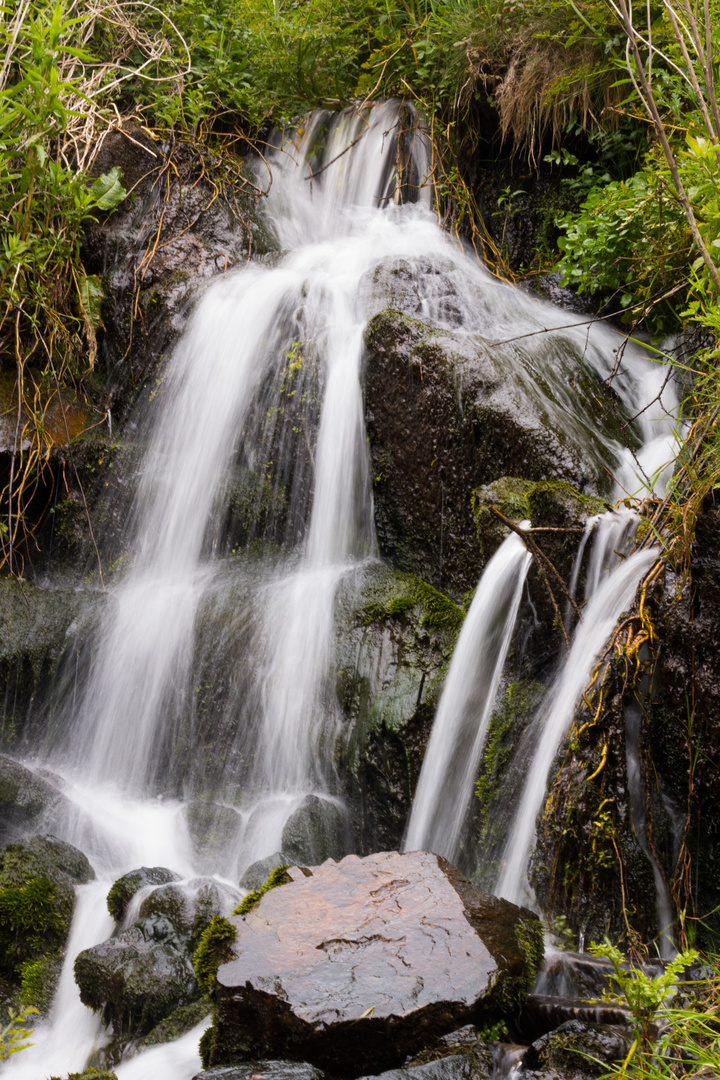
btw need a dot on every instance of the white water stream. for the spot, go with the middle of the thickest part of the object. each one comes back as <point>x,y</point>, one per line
<point>453,754</point>
<point>122,744</point>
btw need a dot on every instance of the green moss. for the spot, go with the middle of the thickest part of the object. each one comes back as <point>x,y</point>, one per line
<point>178,1023</point>
<point>215,948</point>
<point>33,920</point>
<point>277,877</point>
<point>207,1046</point>
<point>543,503</point>
<point>436,611</point>
<point>507,724</point>
<point>38,982</point>
<point>558,502</point>
<point>511,989</point>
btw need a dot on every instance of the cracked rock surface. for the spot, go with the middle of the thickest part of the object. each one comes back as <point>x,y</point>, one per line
<point>360,963</point>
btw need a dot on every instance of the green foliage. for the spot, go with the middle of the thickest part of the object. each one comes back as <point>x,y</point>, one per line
<point>278,876</point>
<point>497,1032</point>
<point>15,1036</point>
<point>215,948</point>
<point>673,1020</point>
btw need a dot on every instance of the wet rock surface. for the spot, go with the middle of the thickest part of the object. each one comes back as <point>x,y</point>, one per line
<point>649,740</point>
<point>576,1049</point>
<point>173,233</point>
<point>258,872</point>
<point>365,961</point>
<point>37,628</point>
<point>263,1070</point>
<point>145,972</point>
<point>27,800</point>
<point>394,642</point>
<point>453,1067</point>
<point>316,831</point>
<point>446,413</point>
<point>124,889</point>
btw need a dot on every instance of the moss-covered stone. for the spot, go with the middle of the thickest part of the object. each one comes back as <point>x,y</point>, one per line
<point>394,644</point>
<point>122,891</point>
<point>178,1023</point>
<point>449,412</point>
<point>37,900</point>
<point>278,876</point>
<point>143,974</point>
<point>545,503</point>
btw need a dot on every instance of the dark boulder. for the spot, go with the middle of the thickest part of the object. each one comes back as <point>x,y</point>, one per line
<point>214,830</point>
<point>366,961</point>
<point>447,412</point>
<point>258,872</point>
<point>145,973</point>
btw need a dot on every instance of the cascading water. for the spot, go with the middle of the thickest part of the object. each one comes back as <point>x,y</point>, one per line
<point>335,209</point>
<point>552,722</point>
<point>458,734</point>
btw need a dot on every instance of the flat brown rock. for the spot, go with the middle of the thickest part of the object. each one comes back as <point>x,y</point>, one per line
<point>356,966</point>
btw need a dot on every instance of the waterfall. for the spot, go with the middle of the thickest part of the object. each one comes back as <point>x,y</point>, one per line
<point>458,735</point>
<point>336,211</point>
<point>614,594</point>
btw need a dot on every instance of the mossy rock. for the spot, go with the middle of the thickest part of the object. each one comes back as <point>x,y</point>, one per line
<point>544,503</point>
<point>37,900</point>
<point>576,1050</point>
<point>123,890</point>
<point>450,411</point>
<point>177,1024</point>
<point>396,636</point>
<point>144,974</point>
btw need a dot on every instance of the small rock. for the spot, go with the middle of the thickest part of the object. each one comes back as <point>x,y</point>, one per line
<point>123,890</point>
<point>316,831</point>
<point>213,829</point>
<point>257,874</point>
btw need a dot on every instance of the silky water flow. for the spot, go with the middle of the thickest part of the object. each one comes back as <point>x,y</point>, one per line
<point>336,222</point>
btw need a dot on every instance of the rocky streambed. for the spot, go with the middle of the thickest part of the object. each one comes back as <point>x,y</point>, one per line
<point>392,964</point>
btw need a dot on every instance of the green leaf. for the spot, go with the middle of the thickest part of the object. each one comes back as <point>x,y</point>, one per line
<point>91,296</point>
<point>107,191</point>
